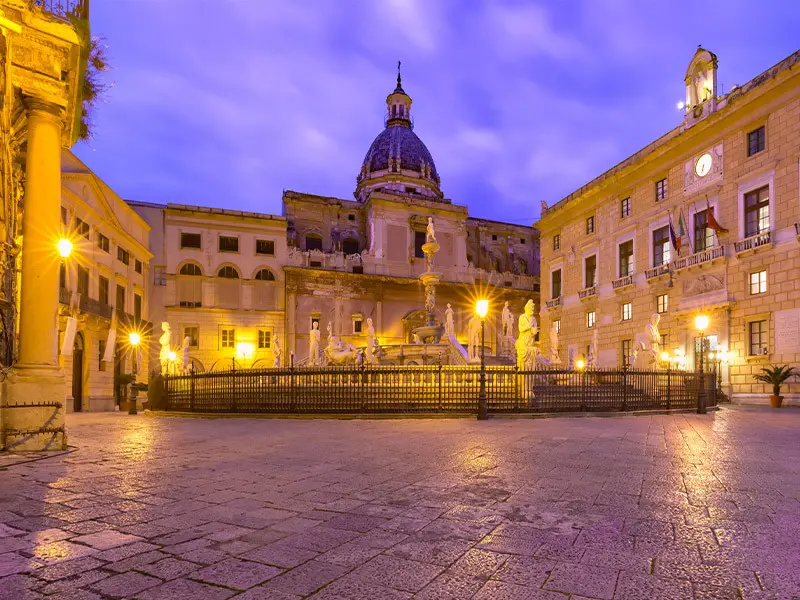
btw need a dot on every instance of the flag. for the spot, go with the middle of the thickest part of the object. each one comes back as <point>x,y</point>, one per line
<point>676,241</point>
<point>712,220</point>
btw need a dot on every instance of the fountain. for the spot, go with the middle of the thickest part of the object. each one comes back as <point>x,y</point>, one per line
<point>430,333</point>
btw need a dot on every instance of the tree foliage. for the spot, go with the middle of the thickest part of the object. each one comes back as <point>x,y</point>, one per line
<point>94,84</point>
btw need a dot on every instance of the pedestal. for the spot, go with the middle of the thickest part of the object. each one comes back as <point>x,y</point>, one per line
<point>32,411</point>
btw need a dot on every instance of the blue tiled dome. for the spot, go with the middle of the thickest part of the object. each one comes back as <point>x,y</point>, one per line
<point>399,141</point>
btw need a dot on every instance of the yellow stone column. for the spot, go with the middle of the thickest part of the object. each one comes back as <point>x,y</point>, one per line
<point>33,409</point>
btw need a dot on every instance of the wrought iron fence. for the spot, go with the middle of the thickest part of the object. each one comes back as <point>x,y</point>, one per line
<point>432,389</point>
<point>64,8</point>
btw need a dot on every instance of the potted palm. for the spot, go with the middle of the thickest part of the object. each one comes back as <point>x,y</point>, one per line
<point>775,375</point>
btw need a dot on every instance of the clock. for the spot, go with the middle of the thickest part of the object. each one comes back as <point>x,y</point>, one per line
<point>703,165</point>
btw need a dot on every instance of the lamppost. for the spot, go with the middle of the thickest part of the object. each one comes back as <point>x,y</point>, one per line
<point>482,309</point>
<point>701,323</point>
<point>720,356</point>
<point>134,339</point>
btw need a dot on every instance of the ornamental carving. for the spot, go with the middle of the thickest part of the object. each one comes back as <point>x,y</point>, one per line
<point>703,284</point>
<point>695,175</point>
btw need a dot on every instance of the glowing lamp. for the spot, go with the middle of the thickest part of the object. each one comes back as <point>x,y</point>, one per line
<point>665,356</point>
<point>173,356</point>
<point>580,364</point>
<point>681,105</point>
<point>134,339</point>
<point>482,308</point>
<point>701,322</point>
<point>64,247</point>
<point>244,349</point>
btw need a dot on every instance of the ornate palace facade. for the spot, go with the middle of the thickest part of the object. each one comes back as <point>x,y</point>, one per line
<point>727,181</point>
<point>234,283</point>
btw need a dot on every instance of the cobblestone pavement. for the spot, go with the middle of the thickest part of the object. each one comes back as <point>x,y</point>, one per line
<point>629,508</point>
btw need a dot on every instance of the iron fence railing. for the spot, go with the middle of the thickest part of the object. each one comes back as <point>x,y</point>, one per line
<point>64,8</point>
<point>432,389</point>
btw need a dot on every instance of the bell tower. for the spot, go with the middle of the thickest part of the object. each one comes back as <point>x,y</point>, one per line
<point>398,105</point>
<point>701,86</point>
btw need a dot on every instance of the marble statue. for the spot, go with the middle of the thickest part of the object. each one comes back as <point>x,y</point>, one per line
<point>507,321</point>
<point>652,338</point>
<point>430,297</point>
<point>313,344</point>
<point>338,352</point>
<point>449,323</point>
<point>526,342</point>
<point>430,233</point>
<point>370,353</point>
<point>165,340</point>
<point>554,357</point>
<point>277,353</point>
<point>591,360</point>
<point>330,332</point>
<point>187,342</point>
<point>415,339</point>
<point>474,337</point>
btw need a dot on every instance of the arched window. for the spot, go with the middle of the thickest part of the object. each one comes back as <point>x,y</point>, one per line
<point>228,273</point>
<point>350,246</point>
<point>191,269</point>
<point>313,242</point>
<point>265,275</point>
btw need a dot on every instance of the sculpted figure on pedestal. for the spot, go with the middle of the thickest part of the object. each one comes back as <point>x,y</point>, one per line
<point>449,323</point>
<point>528,328</point>
<point>313,344</point>
<point>370,354</point>
<point>187,342</point>
<point>554,356</point>
<point>165,340</point>
<point>507,320</point>
<point>277,353</point>
<point>591,360</point>
<point>652,337</point>
<point>473,337</point>
<point>430,233</point>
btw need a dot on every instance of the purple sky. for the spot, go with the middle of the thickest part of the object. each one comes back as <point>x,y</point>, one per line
<point>228,102</point>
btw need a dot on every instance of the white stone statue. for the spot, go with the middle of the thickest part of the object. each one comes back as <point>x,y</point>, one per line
<point>277,353</point>
<point>314,339</point>
<point>526,342</point>
<point>653,339</point>
<point>415,339</point>
<point>449,322</point>
<point>507,321</point>
<point>339,352</point>
<point>187,342</point>
<point>330,333</point>
<point>430,233</point>
<point>370,353</point>
<point>554,356</point>
<point>474,337</point>
<point>591,360</point>
<point>165,340</point>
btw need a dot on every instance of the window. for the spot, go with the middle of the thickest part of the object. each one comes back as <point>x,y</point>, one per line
<point>703,235</point>
<point>756,212</point>
<point>591,316</point>
<point>590,267</point>
<point>662,303</point>
<point>590,225</point>
<point>626,258</point>
<point>265,275</point>
<point>351,217</point>
<point>123,256</point>
<point>755,141</point>
<point>627,311</point>
<point>227,337</point>
<point>228,273</point>
<point>228,243</point>
<point>62,276</point>
<point>193,333</point>
<point>626,352</point>
<point>64,218</point>
<point>137,307</point>
<point>137,265</point>
<point>758,338</point>
<point>313,242</point>
<point>625,209</point>
<point>83,282</point>
<point>101,352</point>
<point>557,323</point>
<point>191,240</point>
<point>661,246</point>
<point>350,246</point>
<point>102,242</point>
<point>661,189</point>
<point>191,269</point>
<point>557,241</point>
<point>265,247</point>
<point>120,298</point>
<point>664,342</point>
<point>521,240</point>
<point>264,339</point>
<point>419,239</point>
<point>81,228</point>
<point>358,324</point>
<point>555,284</point>
<point>160,275</point>
<point>758,282</point>
<point>494,238</point>
<point>103,295</point>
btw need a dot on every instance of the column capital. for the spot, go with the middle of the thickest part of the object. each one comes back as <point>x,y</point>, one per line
<point>43,108</point>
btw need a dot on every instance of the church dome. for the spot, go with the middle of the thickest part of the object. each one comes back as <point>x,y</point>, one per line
<point>397,160</point>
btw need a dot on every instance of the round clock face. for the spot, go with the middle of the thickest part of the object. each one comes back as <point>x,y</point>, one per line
<point>703,165</point>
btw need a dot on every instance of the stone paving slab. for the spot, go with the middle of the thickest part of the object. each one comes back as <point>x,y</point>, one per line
<point>657,507</point>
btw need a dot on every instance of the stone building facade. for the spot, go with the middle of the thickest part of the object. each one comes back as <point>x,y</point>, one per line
<point>104,284</point>
<point>332,260</point>
<point>728,179</point>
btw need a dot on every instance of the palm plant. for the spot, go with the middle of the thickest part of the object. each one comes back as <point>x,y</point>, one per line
<point>775,375</point>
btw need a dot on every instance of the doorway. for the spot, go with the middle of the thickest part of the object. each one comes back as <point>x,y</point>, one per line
<point>77,373</point>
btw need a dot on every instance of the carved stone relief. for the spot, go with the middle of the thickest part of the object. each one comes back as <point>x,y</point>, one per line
<point>703,284</point>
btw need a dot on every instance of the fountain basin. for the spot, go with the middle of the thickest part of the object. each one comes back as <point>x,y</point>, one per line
<point>430,247</point>
<point>430,278</point>
<point>429,334</point>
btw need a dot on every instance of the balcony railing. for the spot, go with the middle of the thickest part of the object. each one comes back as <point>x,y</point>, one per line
<point>554,302</point>
<point>699,257</point>
<point>753,242</point>
<point>64,8</point>
<point>657,271</point>
<point>622,282</point>
<point>587,292</point>
<point>95,307</point>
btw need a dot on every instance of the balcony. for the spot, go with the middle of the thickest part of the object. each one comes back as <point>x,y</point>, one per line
<point>698,258</point>
<point>554,303</point>
<point>657,271</point>
<point>63,9</point>
<point>753,242</point>
<point>587,292</point>
<point>622,282</point>
<point>87,305</point>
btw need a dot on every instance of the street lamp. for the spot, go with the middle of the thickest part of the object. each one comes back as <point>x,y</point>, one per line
<point>64,247</point>
<point>701,323</point>
<point>482,309</point>
<point>134,339</point>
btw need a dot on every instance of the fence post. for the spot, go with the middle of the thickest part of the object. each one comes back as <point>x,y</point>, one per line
<point>191,391</point>
<point>292,398</point>
<point>439,386</point>
<point>669,386</point>
<point>624,386</point>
